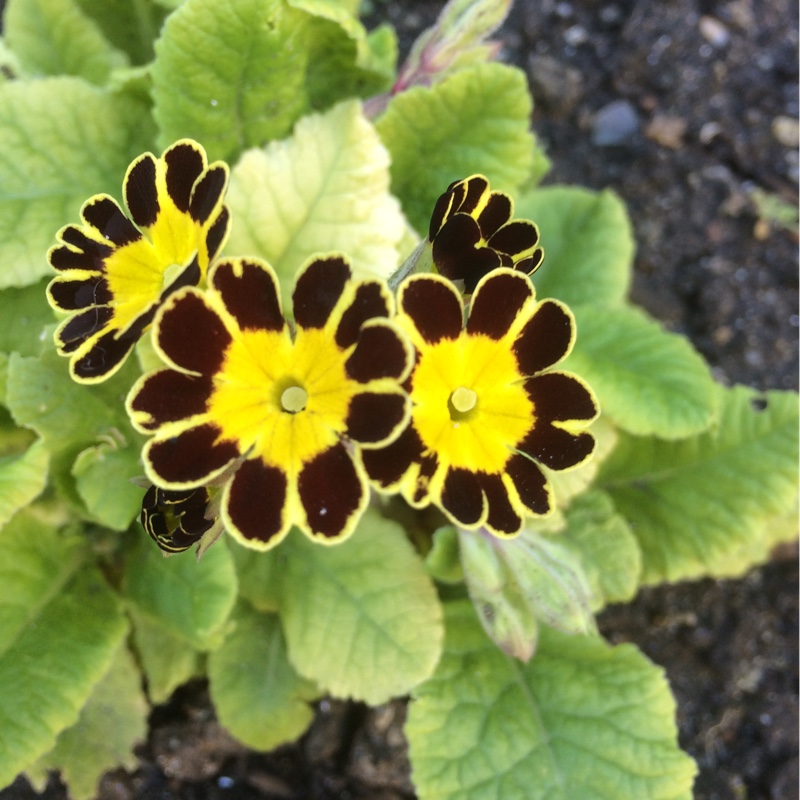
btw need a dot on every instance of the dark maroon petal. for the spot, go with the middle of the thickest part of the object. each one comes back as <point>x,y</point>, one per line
<point>476,187</point>
<point>175,520</point>
<point>192,335</point>
<point>516,237</point>
<point>501,518</point>
<point>105,216</point>
<point>386,465</point>
<point>462,497</point>
<point>90,257</point>
<point>217,232</point>
<point>83,325</point>
<point>318,289</point>
<point>373,417</point>
<point>380,353</point>
<point>184,163</point>
<point>250,293</point>
<point>168,396</point>
<point>369,302</point>
<point>497,302</point>
<point>495,214</point>
<point>331,491</point>
<point>457,254</point>
<point>141,195</point>
<point>428,464</point>
<point>545,339</point>
<point>441,211</point>
<point>104,357</point>
<point>193,456</point>
<point>556,448</point>
<point>558,396</point>
<point>207,193</point>
<point>530,483</point>
<point>434,307</point>
<point>532,263</point>
<point>75,295</point>
<point>256,501</point>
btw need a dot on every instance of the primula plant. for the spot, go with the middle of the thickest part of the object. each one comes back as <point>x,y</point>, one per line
<point>309,389</point>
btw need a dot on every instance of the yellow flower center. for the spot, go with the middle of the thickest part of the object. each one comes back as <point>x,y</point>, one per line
<point>470,407</point>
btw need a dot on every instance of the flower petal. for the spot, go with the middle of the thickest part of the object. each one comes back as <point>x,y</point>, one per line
<point>502,519</point>
<point>207,194</point>
<point>168,396</point>
<point>254,505</point>
<point>332,494</point>
<point>433,305</point>
<point>190,333</point>
<point>386,466</point>
<point>462,497</point>
<point>561,396</point>
<point>74,294</point>
<point>79,252</point>
<point>516,237</point>
<point>497,301</point>
<point>175,520</point>
<point>249,290</point>
<point>374,418</point>
<point>531,484</point>
<point>218,233</point>
<point>104,215</point>
<point>185,161</point>
<point>555,447</point>
<point>379,353</point>
<point>458,254</point>
<point>546,338</point>
<point>496,213</point>
<point>141,192</point>
<point>192,458</point>
<point>103,358</point>
<point>318,289</point>
<point>372,299</point>
<point>75,330</point>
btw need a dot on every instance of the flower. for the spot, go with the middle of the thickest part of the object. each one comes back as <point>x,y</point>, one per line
<point>276,418</point>
<point>116,270</point>
<point>472,232</point>
<point>487,409</point>
<point>176,520</point>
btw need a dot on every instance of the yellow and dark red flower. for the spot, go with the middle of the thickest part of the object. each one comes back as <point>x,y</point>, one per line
<point>116,269</point>
<point>472,232</point>
<point>176,520</point>
<point>487,407</point>
<point>277,417</point>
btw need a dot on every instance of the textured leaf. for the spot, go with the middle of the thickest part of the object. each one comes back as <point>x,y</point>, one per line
<point>606,546</point>
<point>588,244</point>
<point>60,626</point>
<point>23,476</point>
<point>693,503</point>
<point>63,141</point>
<point>324,189</point>
<point>362,618</point>
<point>55,37</point>
<point>113,720</point>
<point>259,575</point>
<point>103,476</point>
<point>581,720</point>
<point>24,315</point>
<point>477,120</point>
<point>271,64</point>
<point>191,599</point>
<point>648,381</point>
<point>166,659</point>
<point>258,697</point>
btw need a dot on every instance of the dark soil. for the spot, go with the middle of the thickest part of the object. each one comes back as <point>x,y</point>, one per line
<point>684,107</point>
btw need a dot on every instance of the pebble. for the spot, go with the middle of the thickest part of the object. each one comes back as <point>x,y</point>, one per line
<point>713,31</point>
<point>668,131</point>
<point>709,132</point>
<point>787,131</point>
<point>614,124</point>
<point>576,35</point>
<point>556,85</point>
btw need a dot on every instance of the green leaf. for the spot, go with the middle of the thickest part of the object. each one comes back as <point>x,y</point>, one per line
<point>326,188</point>
<point>648,381</point>
<point>23,477</point>
<point>55,37</point>
<point>259,575</point>
<point>103,476</point>
<point>272,63</point>
<point>443,559</point>
<point>362,618</point>
<point>113,720</point>
<point>476,120</point>
<point>63,141</point>
<point>694,503</point>
<point>582,720</point>
<point>588,244</point>
<point>258,697</point>
<point>166,659</point>
<point>60,626</point>
<point>24,315</point>
<point>606,547</point>
<point>191,599</point>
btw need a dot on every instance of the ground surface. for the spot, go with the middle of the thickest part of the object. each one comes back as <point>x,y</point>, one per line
<point>684,107</point>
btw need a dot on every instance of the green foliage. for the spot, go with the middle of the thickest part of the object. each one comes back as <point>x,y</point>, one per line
<point>582,719</point>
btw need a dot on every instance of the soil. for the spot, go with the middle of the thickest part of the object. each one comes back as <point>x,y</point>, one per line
<point>687,108</point>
